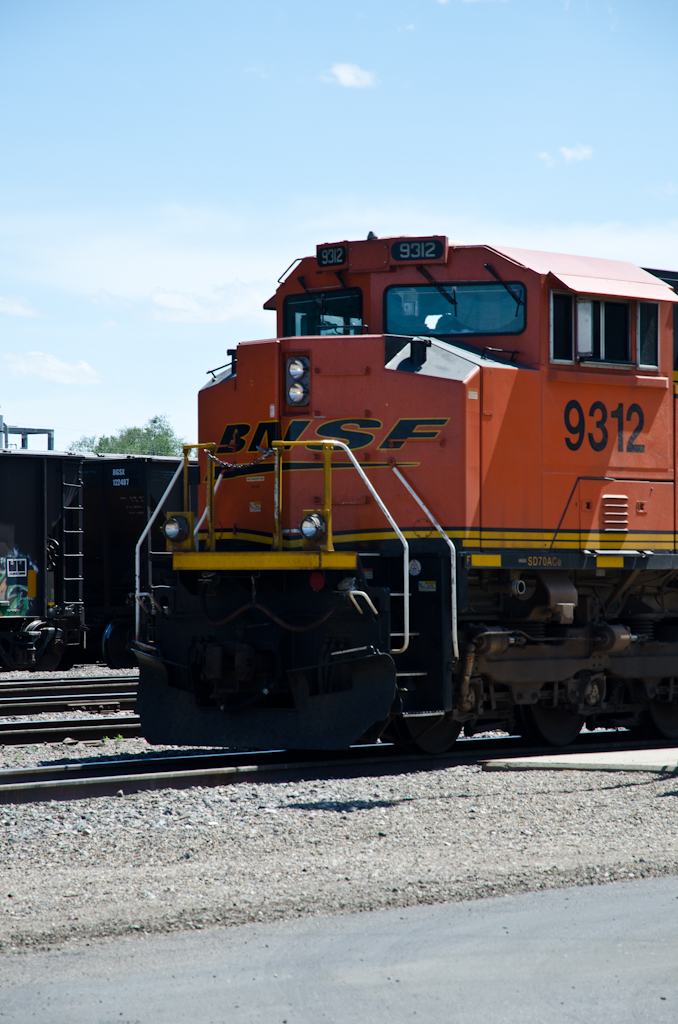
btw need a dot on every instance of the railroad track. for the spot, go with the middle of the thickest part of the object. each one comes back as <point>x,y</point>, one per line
<point>35,696</point>
<point>56,730</point>
<point>133,775</point>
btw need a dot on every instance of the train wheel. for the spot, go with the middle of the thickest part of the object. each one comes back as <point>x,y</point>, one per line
<point>426,734</point>
<point>549,725</point>
<point>662,719</point>
<point>117,635</point>
<point>54,654</point>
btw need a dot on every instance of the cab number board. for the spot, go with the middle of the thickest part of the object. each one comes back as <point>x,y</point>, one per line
<point>331,255</point>
<point>417,249</point>
<point>599,436</point>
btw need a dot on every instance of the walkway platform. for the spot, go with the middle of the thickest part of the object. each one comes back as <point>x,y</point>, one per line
<point>663,760</point>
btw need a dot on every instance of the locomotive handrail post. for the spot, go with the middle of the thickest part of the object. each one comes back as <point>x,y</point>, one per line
<point>327,491</point>
<point>453,558</point>
<point>181,468</point>
<point>277,496</point>
<point>137,550</point>
<point>278,449</point>
<point>210,447</point>
<point>328,445</point>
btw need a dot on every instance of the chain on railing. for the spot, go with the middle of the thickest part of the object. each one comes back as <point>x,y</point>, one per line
<point>241,465</point>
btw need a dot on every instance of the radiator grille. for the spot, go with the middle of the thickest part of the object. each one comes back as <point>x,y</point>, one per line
<point>615,513</point>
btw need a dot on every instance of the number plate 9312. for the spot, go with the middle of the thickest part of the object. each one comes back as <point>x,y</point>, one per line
<point>331,255</point>
<point>417,250</point>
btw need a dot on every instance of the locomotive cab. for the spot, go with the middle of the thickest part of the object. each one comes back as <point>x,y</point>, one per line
<point>441,498</point>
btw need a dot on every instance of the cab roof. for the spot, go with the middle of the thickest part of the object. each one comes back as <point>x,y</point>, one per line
<point>590,275</point>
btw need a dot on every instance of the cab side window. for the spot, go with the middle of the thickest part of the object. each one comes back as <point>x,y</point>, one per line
<point>562,328</point>
<point>648,334</point>
<point>600,330</point>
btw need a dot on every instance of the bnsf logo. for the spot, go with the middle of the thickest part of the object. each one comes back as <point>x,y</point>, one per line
<point>355,432</point>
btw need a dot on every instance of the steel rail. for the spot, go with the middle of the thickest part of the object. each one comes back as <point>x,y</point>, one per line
<point>136,775</point>
<point>31,731</point>
<point>47,687</point>
<point>52,695</point>
<point>30,680</point>
<point>42,704</point>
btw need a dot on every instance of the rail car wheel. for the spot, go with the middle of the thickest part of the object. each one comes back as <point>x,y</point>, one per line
<point>425,734</point>
<point>54,654</point>
<point>662,719</point>
<point>549,725</point>
<point>117,635</point>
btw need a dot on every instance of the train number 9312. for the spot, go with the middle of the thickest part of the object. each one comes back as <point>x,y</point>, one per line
<point>331,255</point>
<point>598,435</point>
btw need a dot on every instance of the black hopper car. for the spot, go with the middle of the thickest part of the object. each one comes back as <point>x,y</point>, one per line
<point>69,525</point>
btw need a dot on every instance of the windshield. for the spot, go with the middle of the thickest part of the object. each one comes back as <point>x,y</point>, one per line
<point>456,309</point>
<point>335,312</point>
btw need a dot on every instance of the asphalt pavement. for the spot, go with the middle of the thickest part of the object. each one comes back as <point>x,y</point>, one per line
<point>593,955</point>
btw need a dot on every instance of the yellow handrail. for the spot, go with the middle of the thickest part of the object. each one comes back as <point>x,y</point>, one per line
<point>208,446</point>
<point>278,449</point>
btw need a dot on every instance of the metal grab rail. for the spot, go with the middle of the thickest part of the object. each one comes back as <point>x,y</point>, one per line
<point>203,517</point>
<point>210,490</point>
<point>453,556</point>
<point>137,550</point>
<point>327,446</point>
<point>209,509</point>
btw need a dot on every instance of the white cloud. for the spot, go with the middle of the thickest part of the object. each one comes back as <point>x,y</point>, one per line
<point>12,307</point>
<point>547,158</point>
<point>40,364</point>
<point>231,302</point>
<point>576,153</point>
<point>351,76</point>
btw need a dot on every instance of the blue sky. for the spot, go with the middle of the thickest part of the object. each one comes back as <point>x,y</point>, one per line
<point>163,162</point>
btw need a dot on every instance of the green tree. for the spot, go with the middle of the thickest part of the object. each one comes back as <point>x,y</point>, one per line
<point>155,438</point>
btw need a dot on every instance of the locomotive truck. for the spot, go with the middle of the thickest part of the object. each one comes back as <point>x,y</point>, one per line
<point>442,497</point>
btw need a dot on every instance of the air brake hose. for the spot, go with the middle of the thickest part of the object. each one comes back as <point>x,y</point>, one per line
<point>260,607</point>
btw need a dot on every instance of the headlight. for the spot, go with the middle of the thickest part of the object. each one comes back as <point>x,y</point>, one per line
<point>297,384</point>
<point>296,369</point>
<point>312,526</point>
<point>175,529</point>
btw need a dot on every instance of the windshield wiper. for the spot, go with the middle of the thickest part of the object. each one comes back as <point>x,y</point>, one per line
<point>312,295</point>
<point>516,298</point>
<point>452,299</point>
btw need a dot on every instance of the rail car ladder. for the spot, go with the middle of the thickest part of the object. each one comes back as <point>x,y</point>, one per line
<point>72,579</point>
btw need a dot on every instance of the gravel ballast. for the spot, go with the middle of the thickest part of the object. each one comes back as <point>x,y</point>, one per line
<point>162,861</point>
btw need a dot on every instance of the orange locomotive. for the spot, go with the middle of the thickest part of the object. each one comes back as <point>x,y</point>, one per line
<point>442,497</point>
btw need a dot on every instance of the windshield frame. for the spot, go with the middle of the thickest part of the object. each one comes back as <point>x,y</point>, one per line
<point>351,330</point>
<point>462,335</point>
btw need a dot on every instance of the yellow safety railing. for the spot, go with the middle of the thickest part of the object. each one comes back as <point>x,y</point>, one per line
<point>208,446</point>
<point>278,449</point>
<point>277,558</point>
